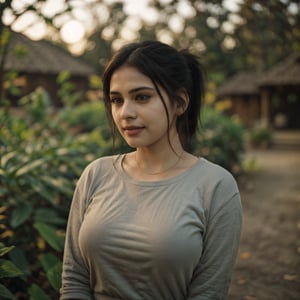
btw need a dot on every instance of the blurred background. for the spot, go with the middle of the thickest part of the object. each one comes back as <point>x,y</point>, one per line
<point>53,123</point>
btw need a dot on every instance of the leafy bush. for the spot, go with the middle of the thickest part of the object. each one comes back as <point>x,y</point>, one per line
<point>39,165</point>
<point>221,140</point>
<point>90,118</point>
<point>261,137</point>
<point>7,270</point>
<point>40,162</point>
<point>86,117</point>
<point>67,91</point>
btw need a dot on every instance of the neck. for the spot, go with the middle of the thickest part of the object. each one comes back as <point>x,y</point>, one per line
<point>158,163</point>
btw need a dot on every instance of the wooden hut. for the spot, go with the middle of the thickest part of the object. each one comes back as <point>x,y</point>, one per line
<point>243,93</point>
<point>271,98</point>
<point>38,63</point>
<point>280,94</point>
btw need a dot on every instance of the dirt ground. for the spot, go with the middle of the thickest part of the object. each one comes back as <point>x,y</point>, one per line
<point>268,265</point>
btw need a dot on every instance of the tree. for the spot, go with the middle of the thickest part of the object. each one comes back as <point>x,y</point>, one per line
<point>99,46</point>
<point>253,35</point>
<point>269,32</point>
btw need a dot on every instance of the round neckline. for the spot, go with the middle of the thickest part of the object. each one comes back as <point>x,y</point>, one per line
<point>165,181</point>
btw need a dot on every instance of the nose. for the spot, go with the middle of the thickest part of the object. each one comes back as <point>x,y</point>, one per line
<point>128,110</point>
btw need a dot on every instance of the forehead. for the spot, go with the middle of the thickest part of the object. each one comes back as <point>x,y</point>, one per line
<point>128,77</point>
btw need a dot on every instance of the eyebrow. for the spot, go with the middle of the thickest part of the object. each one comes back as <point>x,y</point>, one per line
<point>133,90</point>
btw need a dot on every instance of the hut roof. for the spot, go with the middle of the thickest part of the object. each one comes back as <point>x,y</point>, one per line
<point>42,57</point>
<point>241,84</point>
<point>285,73</point>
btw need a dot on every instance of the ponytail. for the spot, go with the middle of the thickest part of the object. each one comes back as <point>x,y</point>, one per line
<point>187,124</point>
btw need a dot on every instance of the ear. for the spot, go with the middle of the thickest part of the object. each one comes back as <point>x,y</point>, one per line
<point>183,102</point>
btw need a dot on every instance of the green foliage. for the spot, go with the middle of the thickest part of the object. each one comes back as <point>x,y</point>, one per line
<point>67,90</point>
<point>36,293</point>
<point>36,105</point>
<point>50,235</point>
<point>39,165</point>
<point>221,140</point>
<point>11,88</point>
<point>20,51</point>
<point>41,159</point>
<point>95,82</point>
<point>261,137</point>
<point>7,270</point>
<point>90,118</point>
<point>86,117</point>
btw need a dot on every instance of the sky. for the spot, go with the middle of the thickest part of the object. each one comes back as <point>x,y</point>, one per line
<point>73,29</point>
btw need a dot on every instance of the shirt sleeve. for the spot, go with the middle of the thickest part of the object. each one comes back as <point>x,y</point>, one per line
<point>221,238</point>
<point>75,274</point>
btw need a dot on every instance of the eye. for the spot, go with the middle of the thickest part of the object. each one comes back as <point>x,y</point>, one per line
<point>116,100</point>
<point>142,98</point>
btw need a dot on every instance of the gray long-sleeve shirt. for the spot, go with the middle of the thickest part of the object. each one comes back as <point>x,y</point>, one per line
<point>173,239</point>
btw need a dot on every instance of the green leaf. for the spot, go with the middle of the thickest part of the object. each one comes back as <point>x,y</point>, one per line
<point>4,250</point>
<point>3,190</point>
<point>50,236</point>
<point>63,76</point>
<point>19,259</point>
<point>36,293</point>
<point>30,166</point>
<point>48,261</point>
<point>64,151</point>
<point>60,184</point>
<point>20,214</point>
<point>49,216</point>
<point>8,269</point>
<point>6,157</point>
<point>54,276</point>
<point>5,293</point>
<point>39,187</point>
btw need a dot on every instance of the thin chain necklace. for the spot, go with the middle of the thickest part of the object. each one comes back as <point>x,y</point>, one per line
<point>160,172</point>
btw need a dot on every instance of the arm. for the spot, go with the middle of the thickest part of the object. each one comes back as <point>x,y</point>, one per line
<point>75,275</point>
<point>212,275</point>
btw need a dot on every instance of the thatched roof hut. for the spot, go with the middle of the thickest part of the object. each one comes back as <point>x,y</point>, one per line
<point>38,63</point>
<point>286,73</point>
<point>242,92</point>
<point>267,97</point>
<point>43,57</point>
<point>280,94</point>
<point>243,83</point>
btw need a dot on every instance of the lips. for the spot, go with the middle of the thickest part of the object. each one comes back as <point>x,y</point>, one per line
<point>132,130</point>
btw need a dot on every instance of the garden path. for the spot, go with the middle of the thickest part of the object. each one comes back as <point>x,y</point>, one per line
<point>268,265</point>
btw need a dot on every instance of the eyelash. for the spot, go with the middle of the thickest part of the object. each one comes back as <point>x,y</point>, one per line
<point>116,101</point>
<point>142,97</point>
<point>138,98</point>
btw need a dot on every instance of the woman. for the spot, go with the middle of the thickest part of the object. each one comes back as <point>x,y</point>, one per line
<point>157,223</point>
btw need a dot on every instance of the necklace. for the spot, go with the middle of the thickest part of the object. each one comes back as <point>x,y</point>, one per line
<point>162,171</point>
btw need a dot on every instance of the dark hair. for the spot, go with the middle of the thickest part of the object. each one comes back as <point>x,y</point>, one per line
<point>174,71</point>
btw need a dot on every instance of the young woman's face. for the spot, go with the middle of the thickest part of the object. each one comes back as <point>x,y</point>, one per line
<point>138,111</point>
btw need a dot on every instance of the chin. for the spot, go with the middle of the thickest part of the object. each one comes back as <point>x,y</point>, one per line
<point>136,144</point>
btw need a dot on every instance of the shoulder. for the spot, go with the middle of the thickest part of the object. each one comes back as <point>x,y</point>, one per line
<point>96,174</point>
<point>102,163</point>
<point>99,168</point>
<point>216,175</point>
<point>219,187</point>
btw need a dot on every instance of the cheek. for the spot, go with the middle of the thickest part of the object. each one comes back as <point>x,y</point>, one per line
<point>116,120</point>
<point>114,115</point>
